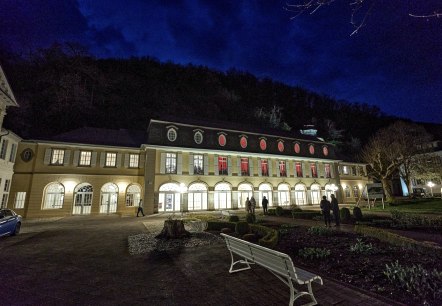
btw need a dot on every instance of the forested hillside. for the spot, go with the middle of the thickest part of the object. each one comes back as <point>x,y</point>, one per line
<point>62,88</point>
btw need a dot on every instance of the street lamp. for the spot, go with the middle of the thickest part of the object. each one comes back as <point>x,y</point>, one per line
<point>431,185</point>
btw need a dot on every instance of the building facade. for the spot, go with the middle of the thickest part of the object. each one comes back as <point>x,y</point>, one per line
<point>177,166</point>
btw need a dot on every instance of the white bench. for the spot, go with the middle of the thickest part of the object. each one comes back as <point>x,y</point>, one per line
<point>225,214</point>
<point>279,264</point>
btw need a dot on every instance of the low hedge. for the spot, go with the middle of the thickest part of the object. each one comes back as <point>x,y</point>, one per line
<point>269,236</point>
<point>306,215</point>
<point>395,239</point>
<point>214,225</point>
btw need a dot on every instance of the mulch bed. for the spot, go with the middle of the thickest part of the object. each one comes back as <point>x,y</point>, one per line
<point>360,270</point>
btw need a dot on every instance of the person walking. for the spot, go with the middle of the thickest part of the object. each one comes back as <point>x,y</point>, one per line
<point>265,202</point>
<point>335,208</point>
<point>253,204</point>
<point>248,205</point>
<point>140,208</point>
<point>325,207</point>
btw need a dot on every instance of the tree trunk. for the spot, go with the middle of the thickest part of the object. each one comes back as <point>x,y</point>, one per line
<point>173,229</point>
<point>387,189</point>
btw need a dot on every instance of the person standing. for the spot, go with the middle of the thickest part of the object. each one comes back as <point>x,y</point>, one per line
<point>265,202</point>
<point>325,207</point>
<point>140,208</point>
<point>248,205</point>
<point>335,208</point>
<point>253,204</point>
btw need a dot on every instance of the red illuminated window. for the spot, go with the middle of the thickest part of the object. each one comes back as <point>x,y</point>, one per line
<point>298,167</point>
<point>243,142</point>
<point>314,170</point>
<point>264,167</point>
<point>263,144</point>
<point>327,171</point>
<point>222,165</point>
<point>280,146</point>
<point>244,166</point>
<point>282,168</point>
<point>297,148</point>
<point>311,149</point>
<point>222,140</point>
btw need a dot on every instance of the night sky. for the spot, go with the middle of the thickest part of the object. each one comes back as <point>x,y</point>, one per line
<point>394,62</point>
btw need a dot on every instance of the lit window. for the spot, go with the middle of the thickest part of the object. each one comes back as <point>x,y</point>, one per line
<point>222,165</point>
<point>327,171</point>
<point>12,154</point>
<point>198,164</point>
<point>171,134</point>
<point>198,137</point>
<point>134,160</point>
<point>344,169</point>
<point>171,163</point>
<point>264,167</point>
<point>347,192</point>
<point>54,196</point>
<point>133,195</point>
<point>297,148</point>
<point>7,184</point>
<point>111,160</point>
<point>298,167</point>
<point>85,158</point>
<point>314,170</point>
<point>244,166</point>
<point>280,146</point>
<point>243,142</point>
<point>282,168</point>
<point>57,157</point>
<point>222,140</point>
<point>325,150</point>
<point>311,149</point>
<point>263,144</point>
<point>20,200</point>
<point>356,191</point>
<point>4,149</point>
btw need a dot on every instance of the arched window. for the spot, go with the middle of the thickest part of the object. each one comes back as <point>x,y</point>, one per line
<point>83,199</point>
<point>133,195</point>
<point>243,142</point>
<point>222,140</point>
<point>169,197</point>
<point>197,197</point>
<point>109,198</point>
<point>223,196</point>
<point>325,150</point>
<point>265,190</point>
<point>300,194</point>
<point>329,190</point>
<point>54,196</point>
<point>245,190</point>
<point>315,191</point>
<point>311,149</point>
<point>280,146</point>
<point>283,194</point>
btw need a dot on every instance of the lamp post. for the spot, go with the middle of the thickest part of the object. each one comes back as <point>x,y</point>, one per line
<point>431,185</point>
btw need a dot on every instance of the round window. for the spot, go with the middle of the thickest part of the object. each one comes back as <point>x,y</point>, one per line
<point>297,148</point>
<point>27,155</point>
<point>171,134</point>
<point>280,146</point>
<point>325,150</point>
<point>243,142</point>
<point>198,137</point>
<point>263,144</point>
<point>222,140</point>
<point>311,149</point>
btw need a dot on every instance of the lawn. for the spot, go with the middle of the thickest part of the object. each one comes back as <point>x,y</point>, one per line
<point>421,206</point>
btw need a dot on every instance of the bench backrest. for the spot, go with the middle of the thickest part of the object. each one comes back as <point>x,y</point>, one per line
<point>225,212</point>
<point>275,261</point>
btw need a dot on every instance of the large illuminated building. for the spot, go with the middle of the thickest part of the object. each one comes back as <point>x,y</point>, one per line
<point>177,165</point>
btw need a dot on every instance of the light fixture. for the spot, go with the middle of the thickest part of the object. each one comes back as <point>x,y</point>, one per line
<point>431,185</point>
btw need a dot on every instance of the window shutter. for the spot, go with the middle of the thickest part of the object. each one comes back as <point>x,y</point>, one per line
<point>163,163</point>
<point>94,159</point>
<point>179,168</point>
<point>287,168</point>
<point>76,156</point>
<point>278,174</point>
<point>141,160</point>
<point>251,166</point>
<point>119,158</point>
<point>304,172</point>
<point>238,164</point>
<point>340,169</point>
<point>270,167</point>
<point>206,164</point>
<point>126,160</point>
<point>295,174</point>
<point>332,170</point>
<point>67,157</point>
<point>191,164</point>
<point>259,167</point>
<point>47,158</point>
<point>215,164</point>
<point>102,159</point>
<point>229,165</point>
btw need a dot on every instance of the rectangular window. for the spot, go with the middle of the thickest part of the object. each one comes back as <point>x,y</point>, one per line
<point>314,170</point>
<point>198,164</point>
<point>222,165</point>
<point>13,151</point>
<point>57,157</point>
<point>4,149</point>
<point>282,168</point>
<point>85,158</point>
<point>298,169</point>
<point>345,170</point>
<point>111,160</point>
<point>7,183</point>
<point>4,199</point>
<point>134,160</point>
<point>245,166</point>
<point>353,170</point>
<point>20,200</point>
<point>356,191</point>
<point>264,167</point>
<point>347,192</point>
<point>170,163</point>
<point>327,171</point>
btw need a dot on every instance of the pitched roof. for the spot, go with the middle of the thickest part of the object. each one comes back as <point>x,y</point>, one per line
<point>6,93</point>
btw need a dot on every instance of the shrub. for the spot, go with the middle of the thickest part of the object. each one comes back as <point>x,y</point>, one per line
<point>345,214</point>
<point>320,231</point>
<point>307,215</point>
<point>279,210</point>
<point>360,247</point>
<point>250,218</point>
<point>250,237</point>
<point>416,280</point>
<point>269,236</point>
<point>314,253</point>
<point>242,228</point>
<point>233,219</point>
<point>357,213</point>
<point>214,225</point>
<point>226,230</point>
<point>405,220</point>
<point>271,212</point>
<point>285,228</point>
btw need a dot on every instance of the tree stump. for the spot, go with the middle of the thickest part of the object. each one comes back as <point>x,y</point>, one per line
<point>173,229</point>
